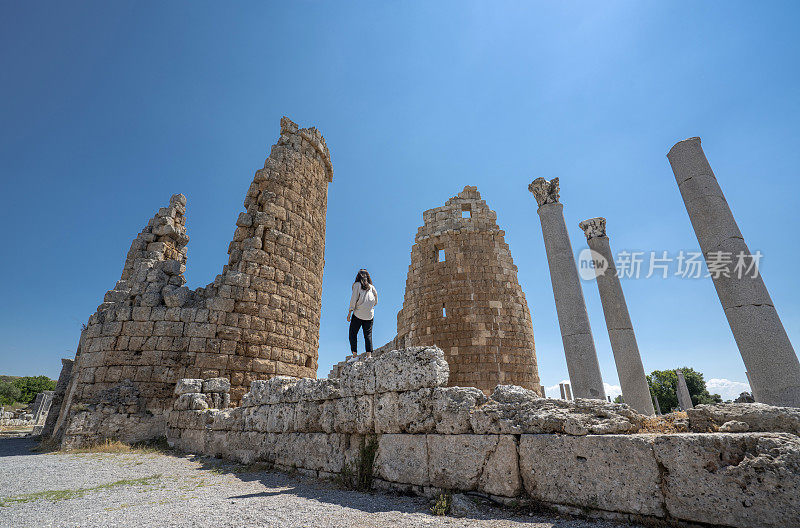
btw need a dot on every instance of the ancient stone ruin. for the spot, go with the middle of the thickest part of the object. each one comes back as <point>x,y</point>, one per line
<point>462,295</point>
<point>573,320</point>
<point>259,318</point>
<point>772,365</point>
<point>586,456</point>
<point>630,369</point>
<point>453,402</point>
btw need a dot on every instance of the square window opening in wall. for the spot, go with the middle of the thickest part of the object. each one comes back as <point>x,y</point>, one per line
<point>440,255</point>
<point>466,211</point>
<point>444,311</point>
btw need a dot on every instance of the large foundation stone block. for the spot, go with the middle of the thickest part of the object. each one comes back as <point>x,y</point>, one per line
<point>731,479</point>
<point>606,472</point>
<point>457,461</point>
<point>403,458</point>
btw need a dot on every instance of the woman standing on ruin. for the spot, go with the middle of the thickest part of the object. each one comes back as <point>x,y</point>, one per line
<point>362,311</point>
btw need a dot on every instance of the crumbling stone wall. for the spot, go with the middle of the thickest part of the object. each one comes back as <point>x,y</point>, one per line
<point>583,456</point>
<point>462,295</point>
<point>58,398</point>
<point>259,318</point>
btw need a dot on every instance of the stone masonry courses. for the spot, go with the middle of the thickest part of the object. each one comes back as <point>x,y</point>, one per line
<point>586,456</point>
<point>463,296</point>
<point>259,318</point>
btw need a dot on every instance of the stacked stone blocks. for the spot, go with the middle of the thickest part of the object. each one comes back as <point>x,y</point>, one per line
<point>259,318</point>
<point>582,456</point>
<point>463,296</point>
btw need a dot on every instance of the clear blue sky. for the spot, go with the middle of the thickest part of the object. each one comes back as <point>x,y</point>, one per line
<point>108,108</point>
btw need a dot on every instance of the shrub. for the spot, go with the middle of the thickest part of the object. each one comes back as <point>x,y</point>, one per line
<point>358,475</point>
<point>8,393</point>
<point>30,386</point>
<point>442,504</point>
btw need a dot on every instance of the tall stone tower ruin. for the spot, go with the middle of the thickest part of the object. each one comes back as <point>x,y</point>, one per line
<point>258,319</point>
<point>462,295</point>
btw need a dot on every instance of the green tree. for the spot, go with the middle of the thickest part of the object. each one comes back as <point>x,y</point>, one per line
<point>30,386</point>
<point>619,399</point>
<point>8,393</point>
<point>664,387</point>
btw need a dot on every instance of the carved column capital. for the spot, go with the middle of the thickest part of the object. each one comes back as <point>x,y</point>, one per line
<point>593,227</point>
<point>544,191</point>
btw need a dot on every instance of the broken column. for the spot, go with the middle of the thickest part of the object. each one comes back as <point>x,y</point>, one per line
<point>684,399</point>
<point>658,406</point>
<point>576,334</point>
<point>766,350</point>
<point>635,390</point>
<point>752,389</point>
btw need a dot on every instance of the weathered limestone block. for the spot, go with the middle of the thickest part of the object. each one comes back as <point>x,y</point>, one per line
<point>354,415</point>
<point>452,407</point>
<point>319,451</point>
<point>312,451</point>
<point>308,389</point>
<point>415,411</point>
<point>198,419</point>
<point>193,401</point>
<point>514,410</point>
<point>501,472</point>
<point>456,461</point>
<point>186,386</point>
<point>734,427</point>
<point>757,416</point>
<point>308,417</point>
<point>217,385</point>
<point>743,480</point>
<point>357,378</point>
<point>327,416</point>
<point>218,443</point>
<point>177,296</point>
<point>402,458</point>
<point>229,420</point>
<point>609,472</point>
<point>386,413</point>
<point>280,417</point>
<point>270,391</point>
<point>247,447</point>
<point>193,440</point>
<point>406,412</point>
<point>411,369</point>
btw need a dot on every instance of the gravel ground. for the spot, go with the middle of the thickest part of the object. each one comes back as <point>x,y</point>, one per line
<point>156,489</point>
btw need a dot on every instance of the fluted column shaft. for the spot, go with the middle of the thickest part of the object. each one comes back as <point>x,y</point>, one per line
<point>576,334</point>
<point>766,350</point>
<point>632,379</point>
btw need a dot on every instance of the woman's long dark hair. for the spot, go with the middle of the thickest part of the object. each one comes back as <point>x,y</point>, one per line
<point>363,277</point>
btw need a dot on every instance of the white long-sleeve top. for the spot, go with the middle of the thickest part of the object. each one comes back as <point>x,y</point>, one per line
<point>363,302</point>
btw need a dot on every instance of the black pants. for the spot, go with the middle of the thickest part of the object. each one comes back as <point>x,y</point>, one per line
<point>355,324</point>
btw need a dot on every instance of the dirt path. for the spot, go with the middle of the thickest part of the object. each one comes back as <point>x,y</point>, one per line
<point>157,489</point>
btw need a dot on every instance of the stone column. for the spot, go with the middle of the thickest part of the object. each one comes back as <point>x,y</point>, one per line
<point>766,350</point>
<point>576,334</point>
<point>635,390</point>
<point>563,392</point>
<point>658,406</point>
<point>684,399</point>
<point>750,382</point>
